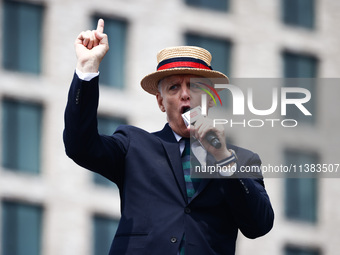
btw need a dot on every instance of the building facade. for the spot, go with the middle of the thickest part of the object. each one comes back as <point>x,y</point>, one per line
<point>51,206</point>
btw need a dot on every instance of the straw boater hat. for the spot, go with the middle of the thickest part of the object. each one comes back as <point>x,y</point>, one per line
<point>180,60</point>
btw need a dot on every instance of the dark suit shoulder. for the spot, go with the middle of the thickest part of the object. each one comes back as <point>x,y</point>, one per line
<point>132,131</point>
<point>127,134</point>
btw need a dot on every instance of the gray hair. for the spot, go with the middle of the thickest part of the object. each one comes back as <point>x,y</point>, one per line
<point>160,86</point>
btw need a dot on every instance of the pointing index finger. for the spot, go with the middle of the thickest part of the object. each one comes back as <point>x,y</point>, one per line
<point>100,26</point>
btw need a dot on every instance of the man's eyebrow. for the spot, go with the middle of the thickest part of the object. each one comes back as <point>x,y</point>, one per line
<point>175,81</point>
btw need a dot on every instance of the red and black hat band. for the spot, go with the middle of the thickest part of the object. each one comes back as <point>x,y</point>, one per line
<point>183,62</point>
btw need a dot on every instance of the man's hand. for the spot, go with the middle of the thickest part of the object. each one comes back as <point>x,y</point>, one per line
<point>200,130</point>
<point>91,47</point>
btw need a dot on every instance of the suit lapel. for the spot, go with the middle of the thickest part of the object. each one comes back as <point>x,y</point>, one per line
<point>171,148</point>
<point>203,181</point>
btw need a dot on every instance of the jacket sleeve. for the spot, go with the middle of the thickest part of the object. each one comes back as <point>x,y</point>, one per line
<point>98,153</point>
<point>250,203</point>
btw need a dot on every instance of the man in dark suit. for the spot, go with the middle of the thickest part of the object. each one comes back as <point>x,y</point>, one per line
<point>163,210</point>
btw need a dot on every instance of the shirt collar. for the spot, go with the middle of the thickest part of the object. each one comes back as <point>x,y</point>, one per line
<point>177,136</point>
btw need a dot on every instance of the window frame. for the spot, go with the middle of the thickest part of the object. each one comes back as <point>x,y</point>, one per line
<point>301,70</point>
<point>18,215</point>
<point>20,127</point>
<point>15,55</point>
<point>292,212</point>
<point>299,13</point>
<point>207,4</point>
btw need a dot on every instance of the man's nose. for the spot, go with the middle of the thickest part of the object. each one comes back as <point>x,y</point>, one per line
<point>185,95</point>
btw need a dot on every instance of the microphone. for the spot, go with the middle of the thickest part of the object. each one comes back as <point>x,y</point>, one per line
<point>190,116</point>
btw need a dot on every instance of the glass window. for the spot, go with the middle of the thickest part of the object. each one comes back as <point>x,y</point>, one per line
<point>21,229</point>
<point>104,230</point>
<point>220,5</point>
<point>21,136</point>
<point>301,66</point>
<point>301,194</point>
<point>301,251</point>
<point>22,36</point>
<point>299,13</point>
<point>107,126</point>
<point>220,50</point>
<point>112,68</point>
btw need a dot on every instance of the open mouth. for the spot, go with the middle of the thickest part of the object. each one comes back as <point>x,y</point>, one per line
<point>185,109</point>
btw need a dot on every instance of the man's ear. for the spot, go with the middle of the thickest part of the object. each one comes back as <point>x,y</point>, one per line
<point>160,102</point>
<point>211,102</point>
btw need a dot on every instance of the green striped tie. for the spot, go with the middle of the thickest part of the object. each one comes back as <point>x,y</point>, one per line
<point>190,183</point>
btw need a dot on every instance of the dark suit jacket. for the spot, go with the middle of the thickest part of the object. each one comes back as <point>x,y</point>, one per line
<point>146,167</point>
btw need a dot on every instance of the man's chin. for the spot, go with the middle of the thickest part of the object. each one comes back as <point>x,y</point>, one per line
<point>186,133</point>
<point>181,130</point>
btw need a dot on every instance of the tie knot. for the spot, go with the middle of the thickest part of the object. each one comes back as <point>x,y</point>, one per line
<point>186,147</point>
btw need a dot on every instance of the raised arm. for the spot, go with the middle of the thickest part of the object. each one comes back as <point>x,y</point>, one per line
<point>82,142</point>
